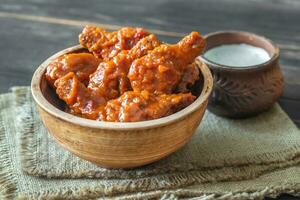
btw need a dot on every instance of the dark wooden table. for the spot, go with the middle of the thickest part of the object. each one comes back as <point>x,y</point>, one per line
<point>32,30</point>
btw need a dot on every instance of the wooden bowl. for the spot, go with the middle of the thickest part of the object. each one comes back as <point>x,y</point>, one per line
<point>117,144</point>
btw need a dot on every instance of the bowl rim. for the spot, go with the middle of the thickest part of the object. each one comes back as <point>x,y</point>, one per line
<point>214,65</point>
<point>52,110</point>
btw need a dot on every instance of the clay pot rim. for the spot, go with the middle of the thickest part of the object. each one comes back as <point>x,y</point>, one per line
<point>274,55</point>
<point>52,110</point>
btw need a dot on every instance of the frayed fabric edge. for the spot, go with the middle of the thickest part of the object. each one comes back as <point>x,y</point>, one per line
<point>7,178</point>
<point>99,191</point>
<point>29,164</point>
<point>274,191</point>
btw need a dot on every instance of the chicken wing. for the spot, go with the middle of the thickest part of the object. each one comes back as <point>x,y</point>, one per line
<point>82,64</point>
<point>81,100</point>
<point>110,78</point>
<point>189,76</point>
<point>99,86</point>
<point>105,45</point>
<point>161,69</point>
<point>139,106</point>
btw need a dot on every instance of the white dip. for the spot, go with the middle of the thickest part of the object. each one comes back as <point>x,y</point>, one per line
<point>237,55</point>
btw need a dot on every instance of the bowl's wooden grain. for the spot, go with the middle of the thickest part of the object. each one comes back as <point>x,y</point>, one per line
<point>117,145</point>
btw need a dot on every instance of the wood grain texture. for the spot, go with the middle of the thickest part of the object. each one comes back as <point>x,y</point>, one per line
<point>121,148</point>
<point>25,44</point>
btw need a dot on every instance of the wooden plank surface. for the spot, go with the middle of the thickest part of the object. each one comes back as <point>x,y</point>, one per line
<point>32,30</point>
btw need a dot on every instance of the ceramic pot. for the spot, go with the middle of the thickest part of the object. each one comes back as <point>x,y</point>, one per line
<point>240,92</point>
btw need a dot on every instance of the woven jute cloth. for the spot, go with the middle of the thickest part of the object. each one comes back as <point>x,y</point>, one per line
<point>225,159</point>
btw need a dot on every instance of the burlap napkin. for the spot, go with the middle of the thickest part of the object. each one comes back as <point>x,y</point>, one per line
<point>256,157</point>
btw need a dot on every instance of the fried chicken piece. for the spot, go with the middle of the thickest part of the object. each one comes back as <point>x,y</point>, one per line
<point>106,45</point>
<point>139,106</point>
<point>161,69</point>
<point>110,78</point>
<point>81,100</point>
<point>189,76</point>
<point>131,106</point>
<point>91,35</point>
<point>82,64</point>
<point>128,57</point>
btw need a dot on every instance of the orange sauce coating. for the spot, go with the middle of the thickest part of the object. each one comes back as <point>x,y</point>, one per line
<point>128,76</point>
